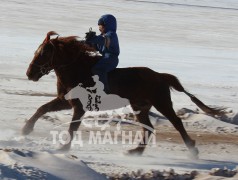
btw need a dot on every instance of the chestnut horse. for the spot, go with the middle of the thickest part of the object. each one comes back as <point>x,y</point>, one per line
<point>143,87</point>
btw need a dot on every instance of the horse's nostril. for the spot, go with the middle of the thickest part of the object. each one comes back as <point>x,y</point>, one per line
<point>28,75</point>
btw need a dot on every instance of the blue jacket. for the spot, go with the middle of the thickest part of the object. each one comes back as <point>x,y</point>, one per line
<point>107,44</point>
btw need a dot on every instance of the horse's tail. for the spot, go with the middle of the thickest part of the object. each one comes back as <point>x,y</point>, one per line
<point>174,83</point>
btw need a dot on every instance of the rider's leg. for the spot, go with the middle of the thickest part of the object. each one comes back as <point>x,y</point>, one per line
<point>104,65</point>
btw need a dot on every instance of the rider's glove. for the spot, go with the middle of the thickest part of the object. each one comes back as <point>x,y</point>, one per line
<point>90,34</point>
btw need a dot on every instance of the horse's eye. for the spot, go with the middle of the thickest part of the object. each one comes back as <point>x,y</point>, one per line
<point>46,49</point>
<point>43,50</point>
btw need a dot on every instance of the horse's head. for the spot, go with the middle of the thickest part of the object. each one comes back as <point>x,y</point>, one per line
<point>62,54</point>
<point>42,61</point>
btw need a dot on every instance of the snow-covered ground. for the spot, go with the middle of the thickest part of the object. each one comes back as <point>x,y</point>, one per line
<point>196,40</point>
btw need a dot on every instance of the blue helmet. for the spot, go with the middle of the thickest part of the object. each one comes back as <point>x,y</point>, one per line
<point>109,22</point>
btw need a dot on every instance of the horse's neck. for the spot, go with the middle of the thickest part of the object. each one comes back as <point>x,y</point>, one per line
<point>76,66</point>
<point>78,72</point>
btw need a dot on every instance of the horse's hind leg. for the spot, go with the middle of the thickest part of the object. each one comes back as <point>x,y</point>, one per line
<point>148,128</point>
<point>54,105</point>
<point>165,107</point>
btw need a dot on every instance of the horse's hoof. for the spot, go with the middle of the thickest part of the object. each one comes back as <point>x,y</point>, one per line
<point>65,148</point>
<point>135,152</point>
<point>27,129</point>
<point>194,153</point>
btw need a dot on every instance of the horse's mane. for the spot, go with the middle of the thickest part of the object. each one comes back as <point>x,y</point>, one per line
<point>74,43</point>
<point>70,41</point>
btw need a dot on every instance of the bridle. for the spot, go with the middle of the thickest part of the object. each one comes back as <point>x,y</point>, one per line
<point>45,69</point>
<point>49,66</point>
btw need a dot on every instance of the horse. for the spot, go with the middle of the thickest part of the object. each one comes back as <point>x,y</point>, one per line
<point>71,60</point>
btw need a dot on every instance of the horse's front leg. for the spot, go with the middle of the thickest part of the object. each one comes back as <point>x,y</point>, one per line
<point>56,104</point>
<point>76,121</point>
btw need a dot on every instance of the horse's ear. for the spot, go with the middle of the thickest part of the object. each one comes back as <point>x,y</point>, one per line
<point>51,33</point>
